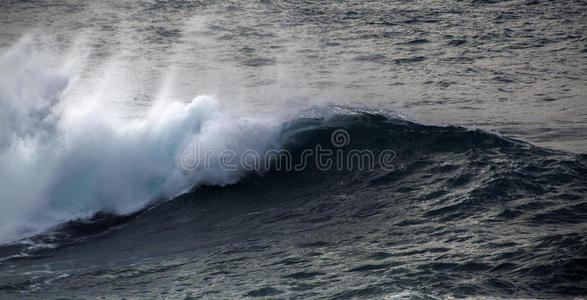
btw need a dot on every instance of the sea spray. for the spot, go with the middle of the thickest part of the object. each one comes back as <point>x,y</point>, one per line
<point>61,162</point>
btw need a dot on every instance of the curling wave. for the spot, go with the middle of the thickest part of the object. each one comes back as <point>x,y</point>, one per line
<point>454,189</point>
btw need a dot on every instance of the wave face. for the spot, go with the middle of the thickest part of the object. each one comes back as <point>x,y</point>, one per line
<point>66,156</point>
<point>462,212</point>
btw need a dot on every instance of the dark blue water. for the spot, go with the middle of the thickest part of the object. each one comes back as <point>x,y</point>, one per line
<point>466,213</point>
<point>455,134</point>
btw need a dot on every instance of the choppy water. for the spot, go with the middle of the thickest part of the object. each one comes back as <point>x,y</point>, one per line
<point>88,125</point>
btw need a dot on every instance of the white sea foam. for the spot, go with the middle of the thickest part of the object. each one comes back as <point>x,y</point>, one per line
<point>64,154</point>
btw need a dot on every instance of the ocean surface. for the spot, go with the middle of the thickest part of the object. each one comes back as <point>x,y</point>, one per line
<point>293,149</point>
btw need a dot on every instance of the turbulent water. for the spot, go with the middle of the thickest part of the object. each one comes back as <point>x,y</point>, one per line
<point>453,136</point>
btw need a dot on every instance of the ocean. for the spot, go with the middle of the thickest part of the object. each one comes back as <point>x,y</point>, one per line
<point>293,149</point>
